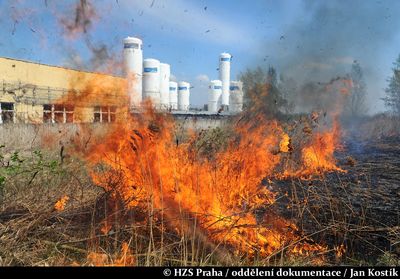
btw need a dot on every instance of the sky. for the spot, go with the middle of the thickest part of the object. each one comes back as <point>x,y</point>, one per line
<point>302,39</point>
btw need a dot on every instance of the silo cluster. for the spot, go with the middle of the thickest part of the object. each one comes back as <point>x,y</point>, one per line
<point>150,79</point>
<point>224,94</point>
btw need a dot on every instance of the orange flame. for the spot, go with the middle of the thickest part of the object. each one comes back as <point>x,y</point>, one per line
<point>340,251</point>
<point>318,156</point>
<point>60,204</point>
<point>144,164</point>
<point>140,162</point>
<point>125,258</point>
<point>285,143</point>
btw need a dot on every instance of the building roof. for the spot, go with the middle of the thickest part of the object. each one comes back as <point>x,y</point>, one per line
<point>61,67</point>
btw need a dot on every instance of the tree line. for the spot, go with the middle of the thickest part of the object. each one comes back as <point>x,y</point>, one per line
<point>275,95</point>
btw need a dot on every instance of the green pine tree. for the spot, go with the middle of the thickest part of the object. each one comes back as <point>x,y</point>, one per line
<point>392,99</point>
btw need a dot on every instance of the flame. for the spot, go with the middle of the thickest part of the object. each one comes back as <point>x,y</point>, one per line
<point>141,164</point>
<point>144,164</point>
<point>284,145</point>
<point>60,204</point>
<point>95,90</point>
<point>125,258</point>
<point>318,156</point>
<point>340,250</point>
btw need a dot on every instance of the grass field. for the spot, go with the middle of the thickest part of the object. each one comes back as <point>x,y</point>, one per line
<point>53,213</point>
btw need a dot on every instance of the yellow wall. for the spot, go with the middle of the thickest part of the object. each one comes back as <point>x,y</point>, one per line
<point>27,113</point>
<point>31,85</point>
<point>44,75</point>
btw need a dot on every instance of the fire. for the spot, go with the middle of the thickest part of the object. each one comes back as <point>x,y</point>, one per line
<point>284,145</point>
<point>340,250</point>
<point>125,258</point>
<point>318,156</point>
<point>140,164</point>
<point>144,165</point>
<point>60,204</point>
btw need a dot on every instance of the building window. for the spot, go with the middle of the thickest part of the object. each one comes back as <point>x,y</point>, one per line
<point>58,113</point>
<point>48,114</point>
<point>104,114</point>
<point>6,113</point>
<point>97,114</point>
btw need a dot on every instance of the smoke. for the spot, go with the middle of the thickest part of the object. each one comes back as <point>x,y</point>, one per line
<point>80,20</point>
<point>78,23</point>
<point>326,36</point>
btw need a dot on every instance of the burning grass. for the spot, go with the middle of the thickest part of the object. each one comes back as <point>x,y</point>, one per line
<point>139,163</point>
<point>141,195</point>
<point>282,220</point>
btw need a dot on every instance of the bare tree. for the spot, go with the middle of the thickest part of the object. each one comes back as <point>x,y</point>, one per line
<point>261,92</point>
<point>357,100</point>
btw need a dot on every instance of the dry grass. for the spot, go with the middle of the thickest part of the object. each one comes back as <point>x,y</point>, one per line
<point>343,211</point>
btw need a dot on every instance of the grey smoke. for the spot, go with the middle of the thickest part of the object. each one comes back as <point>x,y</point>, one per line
<point>323,42</point>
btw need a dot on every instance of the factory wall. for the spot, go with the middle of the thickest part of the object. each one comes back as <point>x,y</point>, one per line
<point>26,88</point>
<point>200,122</point>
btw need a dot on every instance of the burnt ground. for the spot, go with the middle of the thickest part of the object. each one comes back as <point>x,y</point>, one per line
<point>358,208</point>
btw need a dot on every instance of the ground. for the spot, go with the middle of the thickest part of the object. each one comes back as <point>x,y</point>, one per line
<point>357,208</point>
<point>354,213</point>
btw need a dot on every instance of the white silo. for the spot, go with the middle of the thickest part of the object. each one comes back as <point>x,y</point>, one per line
<point>236,96</point>
<point>165,73</point>
<point>173,95</point>
<point>151,81</point>
<point>133,63</point>
<point>224,76</point>
<point>183,95</point>
<point>214,95</point>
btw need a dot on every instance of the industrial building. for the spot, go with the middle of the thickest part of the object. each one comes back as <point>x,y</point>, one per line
<point>37,93</point>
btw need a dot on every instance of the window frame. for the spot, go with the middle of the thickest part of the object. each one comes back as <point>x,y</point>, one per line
<point>104,114</point>
<point>3,111</point>
<point>63,112</point>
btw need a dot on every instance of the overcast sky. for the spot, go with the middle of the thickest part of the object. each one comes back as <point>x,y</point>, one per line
<point>307,40</point>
